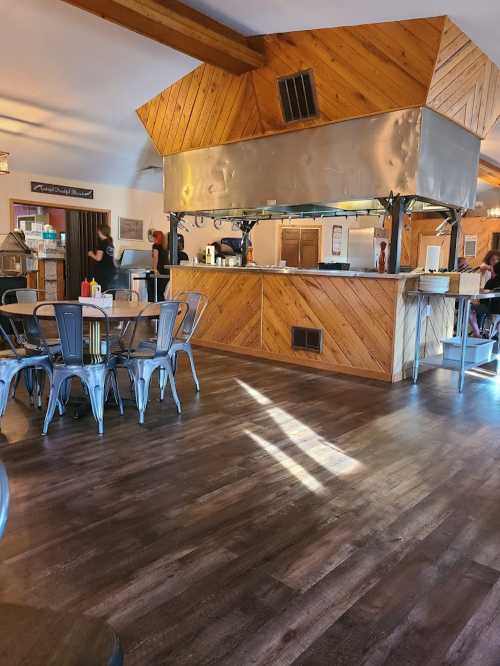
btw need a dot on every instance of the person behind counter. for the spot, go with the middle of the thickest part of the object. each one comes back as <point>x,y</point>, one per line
<point>159,263</point>
<point>103,268</point>
<point>488,307</point>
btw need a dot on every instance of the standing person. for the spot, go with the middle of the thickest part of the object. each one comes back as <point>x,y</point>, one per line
<point>159,259</point>
<point>103,268</point>
<point>491,258</point>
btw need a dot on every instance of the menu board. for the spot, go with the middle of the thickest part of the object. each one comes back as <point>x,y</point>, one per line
<point>130,229</point>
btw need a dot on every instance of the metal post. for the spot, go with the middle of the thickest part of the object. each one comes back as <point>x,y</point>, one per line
<point>418,328</point>
<point>454,238</point>
<point>397,211</point>
<point>466,313</point>
<point>173,246</point>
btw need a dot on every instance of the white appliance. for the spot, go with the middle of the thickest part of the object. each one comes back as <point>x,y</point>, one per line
<point>364,248</point>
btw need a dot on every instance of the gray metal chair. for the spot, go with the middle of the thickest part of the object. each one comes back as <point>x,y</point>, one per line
<point>91,366</point>
<point>27,335</point>
<point>142,362</point>
<point>13,362</point>
<point>4,498</point>
<point>197,303</point>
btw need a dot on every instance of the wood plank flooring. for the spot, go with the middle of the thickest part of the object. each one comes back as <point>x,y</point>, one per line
<point>286,517</point>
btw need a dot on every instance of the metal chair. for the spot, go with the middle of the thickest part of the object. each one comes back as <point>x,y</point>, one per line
<point>13,362</point>
<point>91,366</point>
<point>197,303</point>
<point>27,335</point>
<point>4,498</point>
<point>142,362</point>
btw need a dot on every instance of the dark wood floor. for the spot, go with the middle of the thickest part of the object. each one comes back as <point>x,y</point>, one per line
<point>285,517</point>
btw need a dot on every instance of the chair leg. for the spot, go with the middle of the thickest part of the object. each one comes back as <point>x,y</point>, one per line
<point>113,384</point>
<point>189,352</point>
<point>15,385</point>
<point>142,378</point>
<point>173,388</point>
<point>162,381</point>
<point>95,385</point>
<point>39,386</point>
<point>29,382</point>
<point>54,401</point>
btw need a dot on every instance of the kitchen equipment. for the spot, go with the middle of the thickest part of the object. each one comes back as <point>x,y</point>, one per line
<point>134,266</point>
<point>365,246</point>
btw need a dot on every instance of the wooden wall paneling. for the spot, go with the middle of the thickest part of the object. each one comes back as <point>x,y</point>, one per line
<point>356,318</point>
<point>465,85</point>
<point>489,172</point>
<point>233,315</point>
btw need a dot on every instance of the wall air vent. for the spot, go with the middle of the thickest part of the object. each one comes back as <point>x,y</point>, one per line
<point>307,339</point>
<point>298,96</point>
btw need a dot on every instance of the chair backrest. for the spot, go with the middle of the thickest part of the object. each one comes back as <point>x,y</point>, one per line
<point>7,339</point>
<point>4,498</point>
<point>25,330</point>
<point>170,312</point>
<point>69,320</point>
<point>120,294</point>
<point>197,303</point>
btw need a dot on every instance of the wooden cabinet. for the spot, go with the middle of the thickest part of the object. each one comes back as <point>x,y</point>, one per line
<point>300,247</point>
<point>51,278</point>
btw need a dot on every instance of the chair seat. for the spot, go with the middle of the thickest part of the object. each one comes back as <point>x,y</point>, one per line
<point>41,637</point>
<point>88,359</point>
<point>8,354</point>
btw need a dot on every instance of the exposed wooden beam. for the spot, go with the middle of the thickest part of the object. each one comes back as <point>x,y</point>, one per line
<point>173,24</point>
<point>489,172</point>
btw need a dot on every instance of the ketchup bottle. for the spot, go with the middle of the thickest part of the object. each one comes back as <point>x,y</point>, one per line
<point>85,288</point>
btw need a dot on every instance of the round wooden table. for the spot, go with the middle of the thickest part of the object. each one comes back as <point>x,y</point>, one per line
<point>121,311</point>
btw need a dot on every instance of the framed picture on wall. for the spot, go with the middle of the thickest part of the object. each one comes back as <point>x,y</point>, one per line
<point>470,246</point>
<point>129,229</point>
<point>337,240</point>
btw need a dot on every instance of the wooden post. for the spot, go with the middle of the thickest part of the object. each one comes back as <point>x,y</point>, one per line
<point>173,246</point>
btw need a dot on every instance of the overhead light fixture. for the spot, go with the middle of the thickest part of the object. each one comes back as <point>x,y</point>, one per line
<point>493,212</point>
<point>4,163</point>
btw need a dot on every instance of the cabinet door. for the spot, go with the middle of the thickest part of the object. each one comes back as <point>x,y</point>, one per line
<point>309,248</point>
<point>290,246</point>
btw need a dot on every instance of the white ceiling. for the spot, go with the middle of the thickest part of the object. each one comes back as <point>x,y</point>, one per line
<point>70,82</point>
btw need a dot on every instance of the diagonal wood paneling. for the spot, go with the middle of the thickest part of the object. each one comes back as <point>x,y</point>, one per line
<point>465,85</point>
<point>358,71</point>
<point>234,310</point>
<point>356,316</point>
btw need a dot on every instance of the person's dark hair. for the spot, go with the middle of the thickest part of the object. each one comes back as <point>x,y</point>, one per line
<point>488,256</point>
<point>496,268</point>
<point>105,230</point>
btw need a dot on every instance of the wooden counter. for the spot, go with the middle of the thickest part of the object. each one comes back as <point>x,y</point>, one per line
<point>368,324</point>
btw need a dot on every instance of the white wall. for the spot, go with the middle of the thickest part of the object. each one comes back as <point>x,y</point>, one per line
<point>123,202</point>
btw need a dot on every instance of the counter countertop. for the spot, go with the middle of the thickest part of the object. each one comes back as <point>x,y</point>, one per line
<point>299,271</point>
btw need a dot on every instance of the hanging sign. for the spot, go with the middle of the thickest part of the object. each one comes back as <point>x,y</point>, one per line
<point>61,190</point>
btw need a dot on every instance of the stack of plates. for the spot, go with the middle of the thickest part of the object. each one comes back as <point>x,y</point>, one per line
<point>438,284</point>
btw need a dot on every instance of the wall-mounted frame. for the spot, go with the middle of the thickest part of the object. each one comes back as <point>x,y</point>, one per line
<point>470,246</point>
<point>129,229</point>
<point>337,237</point>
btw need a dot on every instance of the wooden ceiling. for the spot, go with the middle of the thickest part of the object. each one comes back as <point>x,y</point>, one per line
<point>184,29</point>
<point>358,71</point>
<point>489,172</point>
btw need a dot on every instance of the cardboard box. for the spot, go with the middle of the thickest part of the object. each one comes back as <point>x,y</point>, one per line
<point>464,283</point>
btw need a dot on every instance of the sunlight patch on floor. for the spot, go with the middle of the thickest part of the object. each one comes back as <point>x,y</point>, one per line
<point>288,463</point>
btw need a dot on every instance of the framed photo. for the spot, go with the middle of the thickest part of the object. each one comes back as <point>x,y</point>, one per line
<point>129,229</point>
<point>336,240</point>
<point>470,246</point>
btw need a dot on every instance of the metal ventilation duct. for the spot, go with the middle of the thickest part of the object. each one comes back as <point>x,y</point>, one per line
<point>414,152</point>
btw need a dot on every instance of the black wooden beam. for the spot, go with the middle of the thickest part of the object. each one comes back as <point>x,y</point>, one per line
<point>173,246</point>
<point>454,240</point>
<point>396,210</point>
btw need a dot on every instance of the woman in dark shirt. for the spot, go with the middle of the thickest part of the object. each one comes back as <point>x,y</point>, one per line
<point>103,268</point>
<point>159,261</point>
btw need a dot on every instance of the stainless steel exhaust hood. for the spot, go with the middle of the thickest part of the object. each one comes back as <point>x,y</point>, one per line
<point>414,152</point>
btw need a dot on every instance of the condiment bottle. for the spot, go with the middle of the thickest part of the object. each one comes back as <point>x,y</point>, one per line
<point>93,285</point>
<point>85,288</point>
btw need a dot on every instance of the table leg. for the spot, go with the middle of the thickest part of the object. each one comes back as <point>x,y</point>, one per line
<point>465,320</point>
<point>416,360</point>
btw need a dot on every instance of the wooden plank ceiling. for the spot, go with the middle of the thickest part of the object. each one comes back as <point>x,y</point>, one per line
<point>183,28</point>
<point>489,172</point>
<point>358,71</point>
<point>465,85</point>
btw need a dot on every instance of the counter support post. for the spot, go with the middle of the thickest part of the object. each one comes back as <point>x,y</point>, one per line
<point>173,245</point>
<point>418,329</point>
<point>397,211</point>
<point>465,319</point>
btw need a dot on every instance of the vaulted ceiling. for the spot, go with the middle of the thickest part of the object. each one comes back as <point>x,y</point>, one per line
<point>70,82</point>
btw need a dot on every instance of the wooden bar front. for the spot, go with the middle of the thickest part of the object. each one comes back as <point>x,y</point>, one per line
<point>367,321</point>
